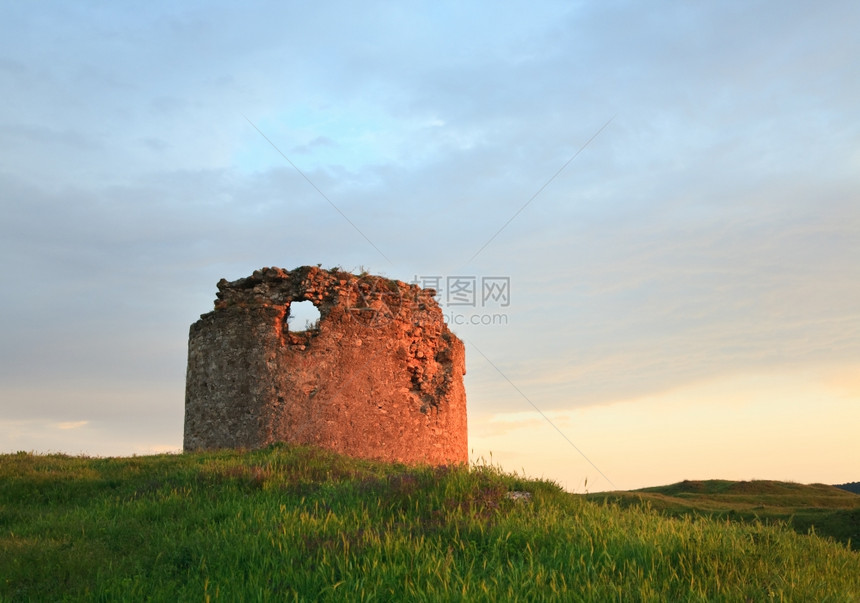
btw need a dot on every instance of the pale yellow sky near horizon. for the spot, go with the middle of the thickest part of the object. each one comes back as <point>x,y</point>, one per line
<point>799,427</point>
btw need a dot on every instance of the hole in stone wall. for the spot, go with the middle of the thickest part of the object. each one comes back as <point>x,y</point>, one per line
<point>303,316</point>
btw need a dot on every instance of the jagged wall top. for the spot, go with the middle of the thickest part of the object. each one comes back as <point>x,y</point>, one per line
<point>370,299</point>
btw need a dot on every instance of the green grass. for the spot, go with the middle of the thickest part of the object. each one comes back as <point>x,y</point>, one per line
<point>827,510</point>
<point>290,523</point>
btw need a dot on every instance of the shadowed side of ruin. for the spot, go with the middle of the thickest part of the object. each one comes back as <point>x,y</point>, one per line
<point>380,376</point>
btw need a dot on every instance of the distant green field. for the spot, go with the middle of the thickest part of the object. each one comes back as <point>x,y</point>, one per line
<point>850,487</point>
<point>827,510</point>
<point>300,524</point>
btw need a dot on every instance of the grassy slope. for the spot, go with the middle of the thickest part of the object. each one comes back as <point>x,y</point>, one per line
<point>827,510</point>
<point>302,524</point>
<point>850,487</point>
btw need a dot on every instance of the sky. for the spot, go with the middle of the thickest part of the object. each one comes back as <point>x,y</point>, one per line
<point>668,194</point>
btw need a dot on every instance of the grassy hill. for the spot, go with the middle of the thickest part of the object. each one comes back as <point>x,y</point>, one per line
<point>850,487</point>
<point>826,510</point>
<point>290,523</point>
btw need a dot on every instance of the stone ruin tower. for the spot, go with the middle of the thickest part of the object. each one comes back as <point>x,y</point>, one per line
<point>380,376</point>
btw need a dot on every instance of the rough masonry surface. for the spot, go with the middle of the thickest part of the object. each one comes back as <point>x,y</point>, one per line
<point>380,376</point>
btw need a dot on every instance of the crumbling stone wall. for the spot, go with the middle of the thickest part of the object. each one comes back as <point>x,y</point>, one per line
<point>381,376</point>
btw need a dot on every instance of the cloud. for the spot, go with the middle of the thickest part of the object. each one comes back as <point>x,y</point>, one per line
<point>71,424</point>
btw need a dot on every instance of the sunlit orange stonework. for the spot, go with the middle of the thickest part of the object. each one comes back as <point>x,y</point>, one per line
<point>380,377</point>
